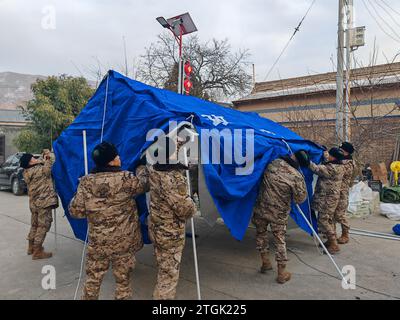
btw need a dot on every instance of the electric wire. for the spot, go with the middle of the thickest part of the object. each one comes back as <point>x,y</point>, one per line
<point>335,277</point>
<point>378,23</point>
<point>388,13</point>
<point>383,20</point>
<point>390,7</point>
<point>297,29</point>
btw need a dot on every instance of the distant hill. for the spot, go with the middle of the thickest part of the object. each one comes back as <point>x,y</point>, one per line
<point>15,89</point>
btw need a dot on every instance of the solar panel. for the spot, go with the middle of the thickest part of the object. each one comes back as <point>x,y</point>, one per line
<point>186,22</point>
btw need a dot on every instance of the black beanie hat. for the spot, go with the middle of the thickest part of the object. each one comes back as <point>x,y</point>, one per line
<point>104,153</point>
<point>336,153</point>
<point>25,159</point>
<point>348,147</point>
<point>302,158</point>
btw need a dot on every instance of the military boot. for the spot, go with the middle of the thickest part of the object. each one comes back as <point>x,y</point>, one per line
<point>39,253</point>
<point>266,263</point>
<point>332,246</point>
<point>283,275</point>
<point>345,236</point>
<point>30,247</point>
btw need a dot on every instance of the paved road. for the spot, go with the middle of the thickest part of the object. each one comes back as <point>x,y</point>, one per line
<point>228,268</point>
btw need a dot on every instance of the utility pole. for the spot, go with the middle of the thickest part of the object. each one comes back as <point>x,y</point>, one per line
<point>349,50</point>
<point>339,75</point>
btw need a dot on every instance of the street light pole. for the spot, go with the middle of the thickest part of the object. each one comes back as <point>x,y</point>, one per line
<point>179,26</point>
<point>180,61</point>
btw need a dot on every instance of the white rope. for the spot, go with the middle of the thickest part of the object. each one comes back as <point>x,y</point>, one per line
<point>87,230</point>
<point>196,266</point>
<point>104,110</point>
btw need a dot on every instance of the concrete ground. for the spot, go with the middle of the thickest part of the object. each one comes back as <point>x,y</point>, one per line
<point>228,268</point>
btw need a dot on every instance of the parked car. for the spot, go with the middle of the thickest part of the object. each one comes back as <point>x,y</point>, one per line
<point>11,174</point>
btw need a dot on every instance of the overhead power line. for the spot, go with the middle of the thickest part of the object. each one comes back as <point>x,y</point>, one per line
<point>388,12</point>
<point>378,23</point>
<point>297,29</point>
<point>383,20</point>
<point>390,7</point>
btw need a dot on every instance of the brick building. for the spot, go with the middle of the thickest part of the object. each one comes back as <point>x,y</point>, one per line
<point>307,105</point>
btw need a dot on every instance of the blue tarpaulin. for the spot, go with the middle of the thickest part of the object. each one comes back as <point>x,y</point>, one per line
<point>133,108</point>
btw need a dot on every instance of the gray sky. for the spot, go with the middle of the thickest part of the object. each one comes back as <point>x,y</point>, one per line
<point>89,30</point>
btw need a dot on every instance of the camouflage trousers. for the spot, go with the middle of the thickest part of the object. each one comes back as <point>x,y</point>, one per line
<point>341,209</point>
<point>326,218</point>
<point>279,235</point>
<point>168,261</point>
<point>41,219</point>
<point>96,268</point>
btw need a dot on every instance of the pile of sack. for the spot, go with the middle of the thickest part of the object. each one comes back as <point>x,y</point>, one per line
<point>363,201</point>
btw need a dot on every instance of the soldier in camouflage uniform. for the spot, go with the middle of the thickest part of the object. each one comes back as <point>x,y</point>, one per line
<point>42,199</point>
<point>106,198</point>
<point>170,207</point>
<point>347,181</point>
<point>327,194</point>
<point>282,183</point>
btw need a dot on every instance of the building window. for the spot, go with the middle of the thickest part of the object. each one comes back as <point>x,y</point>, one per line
<point>2,148</point>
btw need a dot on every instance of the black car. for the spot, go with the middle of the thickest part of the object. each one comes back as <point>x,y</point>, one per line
<point>11,174</point>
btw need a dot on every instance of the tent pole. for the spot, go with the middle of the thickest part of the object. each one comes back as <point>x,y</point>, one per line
<point>55,228</point>
<point>373,235</point>
<point>196,266</point>
<point>322,244</point>
<point>87,230</point>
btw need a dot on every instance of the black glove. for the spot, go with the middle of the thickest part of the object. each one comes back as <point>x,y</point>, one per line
<point>303,158</point>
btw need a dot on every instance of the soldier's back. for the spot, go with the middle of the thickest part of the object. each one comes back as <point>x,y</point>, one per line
<point>348,170</point>
<point>111,210</point>
<point>163,187</point>
<point>275,194</point>
<point>40,186</point>
<point>170,207</point>
<point>327,190</point>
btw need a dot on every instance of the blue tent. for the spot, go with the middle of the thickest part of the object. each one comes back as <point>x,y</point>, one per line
<point>130,109</point>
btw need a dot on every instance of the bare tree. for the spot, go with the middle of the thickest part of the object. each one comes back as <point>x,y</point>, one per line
<point>376,127</point>
<point>218,72</point>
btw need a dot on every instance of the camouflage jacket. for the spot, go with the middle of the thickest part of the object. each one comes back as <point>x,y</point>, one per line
<point>281,184</point>
<point>170,206</point>
<point>107,200</point>
<point>348,173</point>
<point>327,190</point>
<point>40,186</point>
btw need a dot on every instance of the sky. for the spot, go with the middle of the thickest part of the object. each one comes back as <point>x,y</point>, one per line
<point>75,36</point>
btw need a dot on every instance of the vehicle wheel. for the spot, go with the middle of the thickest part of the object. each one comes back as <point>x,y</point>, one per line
<point>16,188</point>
